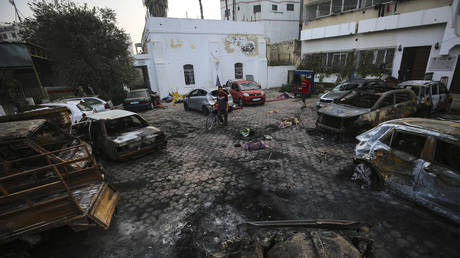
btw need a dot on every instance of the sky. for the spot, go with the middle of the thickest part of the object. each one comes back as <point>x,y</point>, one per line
<point>130,16</point>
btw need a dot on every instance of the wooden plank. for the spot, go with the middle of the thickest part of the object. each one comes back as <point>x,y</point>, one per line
<point>30,190</point>
<point>36,205</point>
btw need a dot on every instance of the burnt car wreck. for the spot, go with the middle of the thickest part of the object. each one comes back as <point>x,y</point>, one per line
<point>361,110</point>
<point>120,134</point>
<point>418,158</point>
<point>49,179</point>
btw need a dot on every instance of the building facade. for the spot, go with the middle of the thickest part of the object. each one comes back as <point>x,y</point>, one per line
<point>9,32</point>
<point>409,39</point>
<point>179,55</point>
<point>281,18</point>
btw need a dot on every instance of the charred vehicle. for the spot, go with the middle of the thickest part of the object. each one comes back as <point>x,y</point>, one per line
<point>359,110</point>
<point>431,95</point>
<point>120,134</point>
<point>344,88</point>
<point>417,157</point>
<point>48,179</point>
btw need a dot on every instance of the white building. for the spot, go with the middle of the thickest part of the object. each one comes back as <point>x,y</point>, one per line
<point>281,18</point>
<point>412,39</point>
<point>9,32</point>
<point>183,54</point>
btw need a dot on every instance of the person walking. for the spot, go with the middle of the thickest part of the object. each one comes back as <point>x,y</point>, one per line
<point>222,105</point>
<point>305,90</point>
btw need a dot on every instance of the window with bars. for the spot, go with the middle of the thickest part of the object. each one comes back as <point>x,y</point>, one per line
<point>257,8</point>
<point>329,7</point>
<point>290,7</point>
<point>189,74</point>
<point>274,7</point>
<point>238,71</point>
<point>368,3</point>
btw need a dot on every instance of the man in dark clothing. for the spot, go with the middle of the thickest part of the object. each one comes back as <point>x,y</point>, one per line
<point>222,105</point>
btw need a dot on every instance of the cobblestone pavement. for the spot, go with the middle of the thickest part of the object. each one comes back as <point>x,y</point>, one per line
<point>190,198</point>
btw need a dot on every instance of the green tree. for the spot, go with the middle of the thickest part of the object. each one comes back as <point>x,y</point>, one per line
<point>85,45</point>
<point>156,8</point>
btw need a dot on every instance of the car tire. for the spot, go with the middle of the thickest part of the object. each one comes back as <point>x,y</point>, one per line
<point>205,110</point>
<point>365,174</point>
<point>186,108</point>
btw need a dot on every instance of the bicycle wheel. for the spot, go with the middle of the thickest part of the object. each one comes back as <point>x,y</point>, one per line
<point>210,122</point>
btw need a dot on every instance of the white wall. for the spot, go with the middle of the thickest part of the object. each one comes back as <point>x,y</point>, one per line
<point>211,46</point>
<point>277,75</point>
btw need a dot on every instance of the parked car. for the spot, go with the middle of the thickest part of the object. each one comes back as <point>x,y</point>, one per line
<point>361,110</point>
<point>96,103</point>
<point>417,157</point>
<point>342,89</point>
<point>138,100</point>
<point>431,95</point>
<point>203,100</point>
<point>121,134</point>
<point>77,109</point>
<point>247,93</point>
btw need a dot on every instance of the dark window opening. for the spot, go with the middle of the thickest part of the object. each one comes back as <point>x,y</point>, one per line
<point>122,125</point>
<point>189,74</point>
<point>274,7</point>
<point>361,101</point>
<point>290,7</point>
<point>408,143</point>
<point>402,97</point>
<point>238,71</point>
<point>447,155</point>
<point>387,101</point>
<point>257,8</point>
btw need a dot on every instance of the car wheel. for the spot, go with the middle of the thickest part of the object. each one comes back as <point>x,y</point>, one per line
<point>205,110</point>
<point>186,106</point>
<point>365,175</point>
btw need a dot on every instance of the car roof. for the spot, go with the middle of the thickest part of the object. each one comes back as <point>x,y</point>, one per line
<point>19,129</point>
<point>441,126</point>
<point>62,104</point>
<point>136,90</point>
<point>111,114</point>
<point>420,83</point>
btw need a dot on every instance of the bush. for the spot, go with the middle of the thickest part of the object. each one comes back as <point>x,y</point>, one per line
<point>285,87</point>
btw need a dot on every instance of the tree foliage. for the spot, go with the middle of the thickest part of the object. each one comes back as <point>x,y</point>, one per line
<point>156,8</point>
<point>86,47</point>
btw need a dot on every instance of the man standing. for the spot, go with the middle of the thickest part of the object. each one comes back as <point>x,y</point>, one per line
<point>305,90</point>
<point>222,105</point>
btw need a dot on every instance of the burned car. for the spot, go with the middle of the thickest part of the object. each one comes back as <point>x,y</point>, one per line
<point>120,134</point>
<point>417,157</point>
<point>342,89</point>
<point>361,110</point>
<point>431,95</point>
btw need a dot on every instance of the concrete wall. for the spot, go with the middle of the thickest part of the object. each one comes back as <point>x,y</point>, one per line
<point>371,12</point>
<point>284,53</point>
<point>211,46</point>
<point>280,25</point>
<point>277,75</point>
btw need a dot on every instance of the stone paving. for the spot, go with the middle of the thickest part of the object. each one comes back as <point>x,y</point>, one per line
<point>190,198</point>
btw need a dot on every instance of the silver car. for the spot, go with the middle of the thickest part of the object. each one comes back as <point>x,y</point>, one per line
<point>203,100</point>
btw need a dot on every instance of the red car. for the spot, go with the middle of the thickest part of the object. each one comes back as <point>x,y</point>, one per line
<point>247,93</point>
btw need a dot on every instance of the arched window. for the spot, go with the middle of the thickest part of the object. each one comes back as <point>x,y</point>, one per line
<point>189,75</point>
<point>238,71</point>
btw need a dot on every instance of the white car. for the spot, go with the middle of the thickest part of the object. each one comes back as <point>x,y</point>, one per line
<point>77,109</point>
<point>96,103</point>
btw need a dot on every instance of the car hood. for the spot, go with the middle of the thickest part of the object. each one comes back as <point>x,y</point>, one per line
<point>343,111</point>
<point>332,95</point>
<point>258,91</point>
<point>143,134</point>
<point>135,99</point>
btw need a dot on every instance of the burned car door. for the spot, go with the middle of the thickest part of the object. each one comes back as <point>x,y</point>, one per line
<point>384,110</point>
<point>439,180</point>
<point>400,164</point>
<point>403,105</point>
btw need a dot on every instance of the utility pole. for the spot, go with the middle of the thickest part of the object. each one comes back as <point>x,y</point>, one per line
<point>233,6</point>
<point>201,10</point>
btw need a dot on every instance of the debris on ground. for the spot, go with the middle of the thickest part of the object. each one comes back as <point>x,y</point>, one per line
<point>273,111</point>
<point>268,137</point>
<point>246,132</point>
<point>255,146</point>
<point>282,96</point>
<point>288,122</point>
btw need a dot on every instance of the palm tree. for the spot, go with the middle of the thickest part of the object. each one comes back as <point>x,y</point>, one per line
<point>156,8</point>
<point>201,10</point>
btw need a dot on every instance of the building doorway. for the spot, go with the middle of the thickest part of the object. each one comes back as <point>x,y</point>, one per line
<point>455,84</point>
<point>413,63</point>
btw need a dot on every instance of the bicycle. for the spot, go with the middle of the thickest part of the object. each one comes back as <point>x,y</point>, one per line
<point>213,120</point>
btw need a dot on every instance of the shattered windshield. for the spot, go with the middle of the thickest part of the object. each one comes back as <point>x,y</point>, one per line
<point>249,86</point>
<point>361,100</point>
<point>137,94</point>
<point>122,125</point>
<point>345,86</point>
